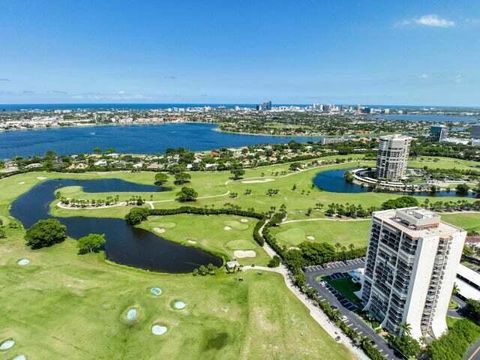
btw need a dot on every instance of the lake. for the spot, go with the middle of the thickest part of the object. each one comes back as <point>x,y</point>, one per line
<point>334,181</point>
<point>144,139</point>
<point>125,244</point>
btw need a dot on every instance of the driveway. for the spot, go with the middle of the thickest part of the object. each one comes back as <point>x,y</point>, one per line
<point>351,318</point>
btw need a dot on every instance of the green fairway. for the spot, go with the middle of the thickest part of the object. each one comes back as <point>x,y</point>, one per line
<point>295,189</point>
<point>441,163</point>
<point>220,234</point>
<point>467,221</point>
<point>67,306</point>
<point>62,305</point>
<point>331,231</point>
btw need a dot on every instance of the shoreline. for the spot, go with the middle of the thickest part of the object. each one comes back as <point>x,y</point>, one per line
<point>216,129</point>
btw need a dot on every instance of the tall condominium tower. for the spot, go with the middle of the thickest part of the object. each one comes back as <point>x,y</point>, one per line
<point>438,132</point>
<point>411,265</point>
<point>392,157</point>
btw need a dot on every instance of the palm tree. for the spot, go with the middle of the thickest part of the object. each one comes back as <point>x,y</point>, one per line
<point>351,247</point>
<point>405,328</point>
<point>337,246</point>
<point>455,289</point>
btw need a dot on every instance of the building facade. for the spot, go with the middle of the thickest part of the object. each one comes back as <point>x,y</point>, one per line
<point>411,265</point>
<point>475,131</point>
<point>438,132</point>
<point>265,106</point>
<point>392,157</point>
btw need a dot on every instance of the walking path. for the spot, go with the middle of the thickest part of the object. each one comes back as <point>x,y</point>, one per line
<point>124,203</point>
<point>322,219</point>
<point>286,175</point>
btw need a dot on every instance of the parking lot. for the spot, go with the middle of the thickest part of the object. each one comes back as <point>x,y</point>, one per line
<point>344,301</point>
<point>347,309</point>
<point>337,266</point>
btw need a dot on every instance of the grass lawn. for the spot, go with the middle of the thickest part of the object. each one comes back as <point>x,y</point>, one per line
<point>66,306</point>
<point>221,234</point>
<point>343,232</point>
<point>469,222</point>
<point>434,162</point>
<point>346,287</point>
<point>213,188</point>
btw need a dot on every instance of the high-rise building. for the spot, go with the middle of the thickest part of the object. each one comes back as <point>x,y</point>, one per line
<point>392,157</point>
<point>265,106</point>
<point>411,265</point>
<point>438,132</point>
<point>475,131</point>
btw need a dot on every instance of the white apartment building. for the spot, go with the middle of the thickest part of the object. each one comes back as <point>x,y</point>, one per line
<point>392,157</point>
<point>411,265</point>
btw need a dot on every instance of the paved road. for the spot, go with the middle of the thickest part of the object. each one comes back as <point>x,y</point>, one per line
<point>352,320</point>
<point>473,353</point>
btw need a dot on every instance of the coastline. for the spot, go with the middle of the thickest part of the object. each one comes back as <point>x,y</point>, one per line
<point>216,129</point>
<point>266,134</point>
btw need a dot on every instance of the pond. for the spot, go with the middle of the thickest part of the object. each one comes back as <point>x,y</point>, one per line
<point>125,244</point>
<point>334,181</point>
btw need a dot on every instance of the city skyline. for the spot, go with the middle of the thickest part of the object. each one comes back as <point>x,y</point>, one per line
<point>297,53</point>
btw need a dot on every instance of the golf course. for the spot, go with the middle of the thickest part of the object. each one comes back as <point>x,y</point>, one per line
<point>57,304</point>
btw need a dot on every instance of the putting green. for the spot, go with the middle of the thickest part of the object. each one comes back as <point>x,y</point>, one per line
<point>237,225</point>
<point>343,232</point>
<point>154,220</point>
<point>240,245</point>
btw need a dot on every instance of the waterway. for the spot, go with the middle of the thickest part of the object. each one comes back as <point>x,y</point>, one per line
<point>125,244</point>
<point>138,139</point>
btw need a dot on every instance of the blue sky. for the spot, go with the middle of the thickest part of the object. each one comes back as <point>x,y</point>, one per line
<point>240,51</point>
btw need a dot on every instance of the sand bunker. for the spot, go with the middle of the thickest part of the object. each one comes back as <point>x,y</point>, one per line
<point>179,305</point>
<point>23,262</point>
<point>7,344</point>
<point>244,220</point>
<point>20,357</point>
<point>41,178</point>
<point>156,291</point>
<point>244,254</point>
<point>191,241</point>
<point>21,182</point>
<point>310,237</point>
<point>132,314</point>
<point>159,230</point>
<point>227,228</point>
<point>257,181</point>
<point>159,329</point>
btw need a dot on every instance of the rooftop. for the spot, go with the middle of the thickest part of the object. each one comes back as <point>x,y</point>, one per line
<point>417,222</point>
<point>395,137</point>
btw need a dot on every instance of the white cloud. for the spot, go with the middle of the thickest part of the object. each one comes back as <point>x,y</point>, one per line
<point>430,20</point>
<point>423,76</point>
